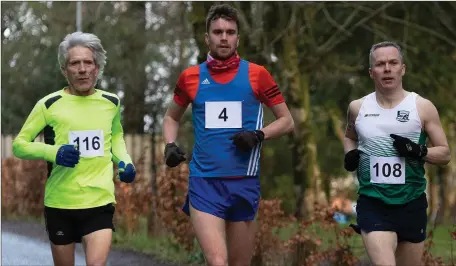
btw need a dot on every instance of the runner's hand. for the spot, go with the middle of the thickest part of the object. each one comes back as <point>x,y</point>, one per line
<point>67,156</point>
<point>351,160</point>
<point>407,148</point>
<point>174,155</point>
<point>126,173</point>
<point>246,140</point>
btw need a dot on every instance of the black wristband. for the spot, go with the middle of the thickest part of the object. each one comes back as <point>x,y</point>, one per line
<point>259,134</point>
<point>423,151</point>
<point>171,144</point>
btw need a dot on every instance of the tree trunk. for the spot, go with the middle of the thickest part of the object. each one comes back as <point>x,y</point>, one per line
<point>432,194</point>
<point>449,195</point>
<point>298,101</point>
<point>443,193</point>
<point>153,227</point>
<point>135,84</point>
<point>198,19</point>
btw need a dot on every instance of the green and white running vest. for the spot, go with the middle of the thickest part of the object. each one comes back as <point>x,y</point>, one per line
<point>382,174</point>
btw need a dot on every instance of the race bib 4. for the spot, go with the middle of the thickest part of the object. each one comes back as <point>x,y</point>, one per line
<point>90,143</point>
<point>387,170</point>
<point>223,114</point>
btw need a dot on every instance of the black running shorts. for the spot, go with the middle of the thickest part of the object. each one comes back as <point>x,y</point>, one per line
<point>66,226</point>
<point>407,220</point>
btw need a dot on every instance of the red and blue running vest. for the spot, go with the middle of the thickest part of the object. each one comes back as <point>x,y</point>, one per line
<point>220,111</point>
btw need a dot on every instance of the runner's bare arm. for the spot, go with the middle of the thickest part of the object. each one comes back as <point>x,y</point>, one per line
<point>351,137</point>
<point>171,122</point>
<point>439,153</point>
<point>282,125</point>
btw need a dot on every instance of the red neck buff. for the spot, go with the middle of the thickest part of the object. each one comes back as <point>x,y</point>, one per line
<point>217,65</point>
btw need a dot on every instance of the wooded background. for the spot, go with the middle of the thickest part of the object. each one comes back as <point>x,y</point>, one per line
<point>316,51</point>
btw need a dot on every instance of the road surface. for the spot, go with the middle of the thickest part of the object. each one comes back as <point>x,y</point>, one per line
<point>25,243</point>
<point>22,250</point>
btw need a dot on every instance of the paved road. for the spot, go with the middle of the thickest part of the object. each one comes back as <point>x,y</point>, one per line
<point>25,243</point>
<point>22,250</point>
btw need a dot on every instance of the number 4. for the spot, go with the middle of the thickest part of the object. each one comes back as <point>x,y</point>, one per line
<point>223,115</point>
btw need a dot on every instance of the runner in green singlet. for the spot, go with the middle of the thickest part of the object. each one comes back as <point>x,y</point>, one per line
<point>385,141</point>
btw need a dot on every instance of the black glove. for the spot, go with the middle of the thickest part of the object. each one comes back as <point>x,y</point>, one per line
<point>351,160</point>
<point>407,148</point>
<point>246,140</point>
<point>173,155</point>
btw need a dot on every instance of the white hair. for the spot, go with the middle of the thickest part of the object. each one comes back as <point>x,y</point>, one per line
<point>88,40</point>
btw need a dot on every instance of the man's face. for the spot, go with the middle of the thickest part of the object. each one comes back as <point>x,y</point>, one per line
<point>222,38</point>
<point>81,70</point>
<point>387,68</point>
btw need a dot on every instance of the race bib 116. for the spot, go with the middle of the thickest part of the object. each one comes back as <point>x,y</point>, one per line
<point>89,142</point>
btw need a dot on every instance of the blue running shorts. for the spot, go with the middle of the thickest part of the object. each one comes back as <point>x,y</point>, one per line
<point>231,199</point>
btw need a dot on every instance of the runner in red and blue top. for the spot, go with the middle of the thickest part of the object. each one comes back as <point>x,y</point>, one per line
<point>226,93</point>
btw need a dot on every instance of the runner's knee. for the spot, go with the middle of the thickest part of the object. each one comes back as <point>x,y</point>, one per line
<point>217,260</point>
<point>96,262</point>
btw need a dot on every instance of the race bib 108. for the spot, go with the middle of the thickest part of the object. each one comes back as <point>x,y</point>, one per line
<point>223,114</point>
<point>387,170</point>
<point>89,142</point>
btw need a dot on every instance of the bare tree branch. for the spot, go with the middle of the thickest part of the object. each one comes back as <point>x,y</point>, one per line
<point>403,45</point>
<point>335,39</point>
<point>290,24</point>
<point>335,23</point>
<point>407,17</point>
<point>420,28</point>
<point>311,39</point>
<point>444,18</point>
<point>242,18</point>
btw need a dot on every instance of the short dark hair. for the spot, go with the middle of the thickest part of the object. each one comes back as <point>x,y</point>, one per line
<point>224,11</point>
<point>384,44</point>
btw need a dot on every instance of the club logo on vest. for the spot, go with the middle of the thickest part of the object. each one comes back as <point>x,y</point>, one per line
<point>402,116</point>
